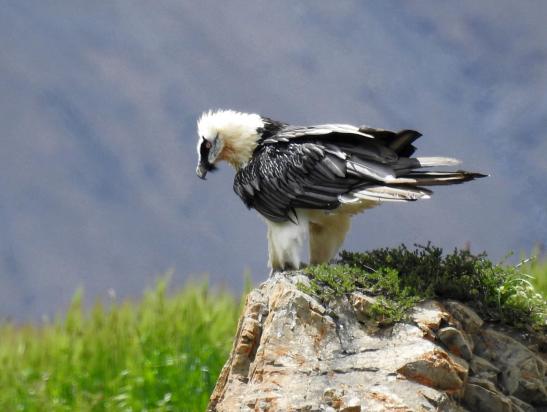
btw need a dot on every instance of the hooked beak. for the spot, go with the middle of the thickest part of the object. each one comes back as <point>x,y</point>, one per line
<point>201,171</point>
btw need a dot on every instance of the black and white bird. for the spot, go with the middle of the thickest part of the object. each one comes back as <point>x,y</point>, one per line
<point>308,181</point>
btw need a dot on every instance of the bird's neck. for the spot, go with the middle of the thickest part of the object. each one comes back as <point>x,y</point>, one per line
<point>239,145</point>
<point>239,151</point>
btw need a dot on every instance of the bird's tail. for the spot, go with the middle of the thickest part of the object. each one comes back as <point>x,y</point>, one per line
<point>435,178</point>
<point>437,161</point>
<point>408,175</point>
<point>408,184</point>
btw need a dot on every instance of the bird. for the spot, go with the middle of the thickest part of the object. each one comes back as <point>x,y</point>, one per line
<point>309,181</point>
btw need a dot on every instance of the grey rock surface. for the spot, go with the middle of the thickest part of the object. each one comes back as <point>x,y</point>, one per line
<point>456,342</point>
<point>293,353</point>
<point>480,367</point>
<point>469,320</point>
<point>522,370</point>
<point>482,395</point>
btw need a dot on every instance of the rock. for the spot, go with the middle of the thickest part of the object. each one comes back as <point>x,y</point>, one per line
<point>470,321</point>
<point>437,369</point>
<point>482,395</point>
<point>456,342</point>
<point>521,406</point>
<point>428,316</point>
<point>245,345</point>
<point>292,353</point>
<point>333,397</point>
<point>480,367</point>
<point>338,400</point>
<point>485,383</point>
<point>522,371</point>
<point>532,389</point>
<point>362,305</point>
<point>350,403</point>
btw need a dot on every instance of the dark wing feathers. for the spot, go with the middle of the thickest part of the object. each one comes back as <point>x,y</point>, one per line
<point>400,142</point>
<point>320,167</point>
<point>292,176</point>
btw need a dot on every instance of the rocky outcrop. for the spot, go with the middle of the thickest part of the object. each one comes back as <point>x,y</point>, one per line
<point>292,353</point>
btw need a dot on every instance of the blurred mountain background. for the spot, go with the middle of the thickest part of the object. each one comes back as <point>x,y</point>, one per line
<point>99,100</point>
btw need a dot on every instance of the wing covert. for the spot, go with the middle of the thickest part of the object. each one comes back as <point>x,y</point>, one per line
<point>293,132</point>
<point>283,177</point>
<point>399,143</point>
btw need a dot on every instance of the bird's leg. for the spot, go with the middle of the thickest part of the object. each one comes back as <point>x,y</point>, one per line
<point>287,244</point>
<point>274,261</point>
<point>326,237</point>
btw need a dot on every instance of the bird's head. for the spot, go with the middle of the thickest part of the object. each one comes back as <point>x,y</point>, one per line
<point>226,135</point>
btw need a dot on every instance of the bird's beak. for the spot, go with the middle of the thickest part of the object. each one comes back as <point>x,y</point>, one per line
<point>201,171</point>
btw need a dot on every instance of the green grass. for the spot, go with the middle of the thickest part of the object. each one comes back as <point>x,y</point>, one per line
<point>537,270</point>
<point>401,277</point>
<point>161,354</point>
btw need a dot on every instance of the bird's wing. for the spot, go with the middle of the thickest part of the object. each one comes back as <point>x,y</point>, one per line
<point>282,177</point>
<point>291,132</point>
<point>399,142</point>
<point>314,175</point>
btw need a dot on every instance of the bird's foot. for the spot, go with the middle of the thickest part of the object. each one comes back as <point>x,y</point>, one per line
<point>287,269</point>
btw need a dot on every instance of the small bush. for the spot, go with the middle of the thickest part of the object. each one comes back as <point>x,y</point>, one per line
<point>402,277</point>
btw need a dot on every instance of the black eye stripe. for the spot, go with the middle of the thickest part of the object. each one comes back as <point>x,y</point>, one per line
<point>204,148</point>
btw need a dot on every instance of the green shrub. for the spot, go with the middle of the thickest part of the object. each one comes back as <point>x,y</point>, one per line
<point>402,277</point>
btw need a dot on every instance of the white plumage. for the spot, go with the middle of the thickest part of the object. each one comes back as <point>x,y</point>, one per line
<point>309,181</point>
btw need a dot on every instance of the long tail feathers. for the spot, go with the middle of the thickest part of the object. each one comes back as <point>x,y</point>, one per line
<point>437,161</point>
<point>434,178</point>
<point>408,187</point>
<point>386,194</point>
<point>400,180</point>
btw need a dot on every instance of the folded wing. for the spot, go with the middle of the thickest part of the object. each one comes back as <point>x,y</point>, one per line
<point>321,167</point>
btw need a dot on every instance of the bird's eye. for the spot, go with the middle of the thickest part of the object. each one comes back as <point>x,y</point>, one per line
<point>208,144</point>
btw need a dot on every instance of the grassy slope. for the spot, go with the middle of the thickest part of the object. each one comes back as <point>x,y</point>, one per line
<point>163,354</point>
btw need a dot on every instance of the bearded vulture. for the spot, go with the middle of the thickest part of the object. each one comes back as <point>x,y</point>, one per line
<point>308,181</point>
